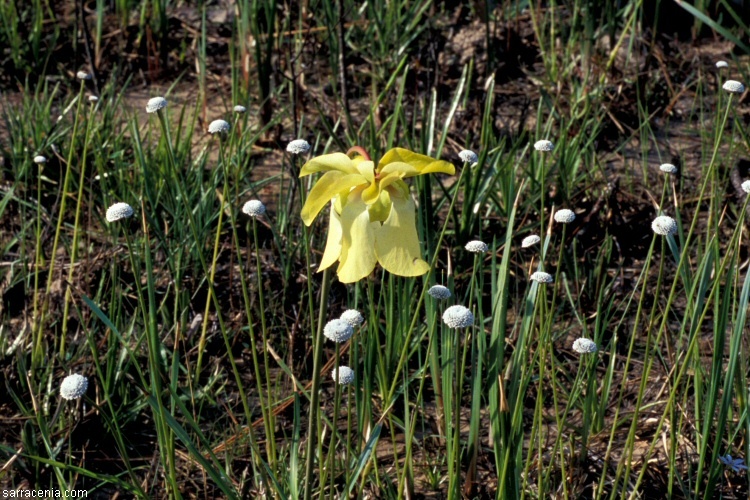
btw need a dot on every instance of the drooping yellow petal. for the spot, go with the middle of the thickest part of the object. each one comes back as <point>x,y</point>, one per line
<point>334,161</point>
<point>333,243</point>
<point>397,243</point>
<point>358,257</point>
<point>329,185</point>
<point>411,164</point>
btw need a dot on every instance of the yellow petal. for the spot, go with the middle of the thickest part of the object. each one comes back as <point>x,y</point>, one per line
<point>329,185</point>
<point>396,184</point>
<point>333,244</point>
<point>397,243</point>
<point>411,164</point>
<point>375,190</point>
<point>334,161</point>
<point>358,241</point>
<point>367,169</point>
<point>370,195</point>
<point>409,170</point>
<point>381,208</point>
<point>399,168</point>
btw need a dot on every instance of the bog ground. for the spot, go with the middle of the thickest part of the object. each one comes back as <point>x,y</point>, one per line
<point>377,249</point>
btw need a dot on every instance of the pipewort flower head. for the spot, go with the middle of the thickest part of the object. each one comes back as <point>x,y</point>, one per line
<point>298,147</point>
<point>343,375</point>
<point>40,160</point>
<point>530,241</point>
<point>722,64</point>
<point>73,386</point>
<point>542,277</point>
<point>458,317</point>
<point>468,156</point>
<point>584,346</point>
<point>353,317</point>
<point>218,127</point>
<point>664,225</point>
<point>119,211</point>
<point>733,87</point>
<point>565,216</point>
<point>544,145</point>
<point>155,104</point>
<point>668,168</point>
<point>439,292</point>
<point>240,109</point>
<point>746,187</point>
<point>476,246</point>
<point>254,208</point>
<point>82,75</point>
<point>338,330</point>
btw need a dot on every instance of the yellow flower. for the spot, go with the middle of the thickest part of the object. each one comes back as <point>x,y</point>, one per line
<point>372,215</point>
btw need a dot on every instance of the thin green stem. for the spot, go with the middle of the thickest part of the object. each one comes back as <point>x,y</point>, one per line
<point>315,390</point>
<point>37,356</point>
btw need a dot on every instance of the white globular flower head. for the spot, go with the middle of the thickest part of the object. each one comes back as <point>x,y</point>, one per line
<point>82,75</point>
<point>733,86</point>
<point>155,104</point>
<point>254,208</point>
<point>468,156</point>
<point>93,99</point>
<point>722,64</point>
<point>544,145</point>
<point>298,147</point>
<point>664,225</point>
<point>218,127</point>
<point>584,346</point>
<point>338,330</point>
<point>439,292</point>
<point>119,211</point>
<point>73,386</point>
<point>668,168</point>
<point>565,216</point>
<point>240,109</point>
<point>542,277</point>
<point>458,317</point>
<point>40,160</point>
<point>353,317</point>
<point>476,246</point>
<point>530,241</point>
<point>343,375</point>
<point>746,187</point>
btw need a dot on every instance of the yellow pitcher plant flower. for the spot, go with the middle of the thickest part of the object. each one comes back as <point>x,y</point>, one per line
<point>372,217</point>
